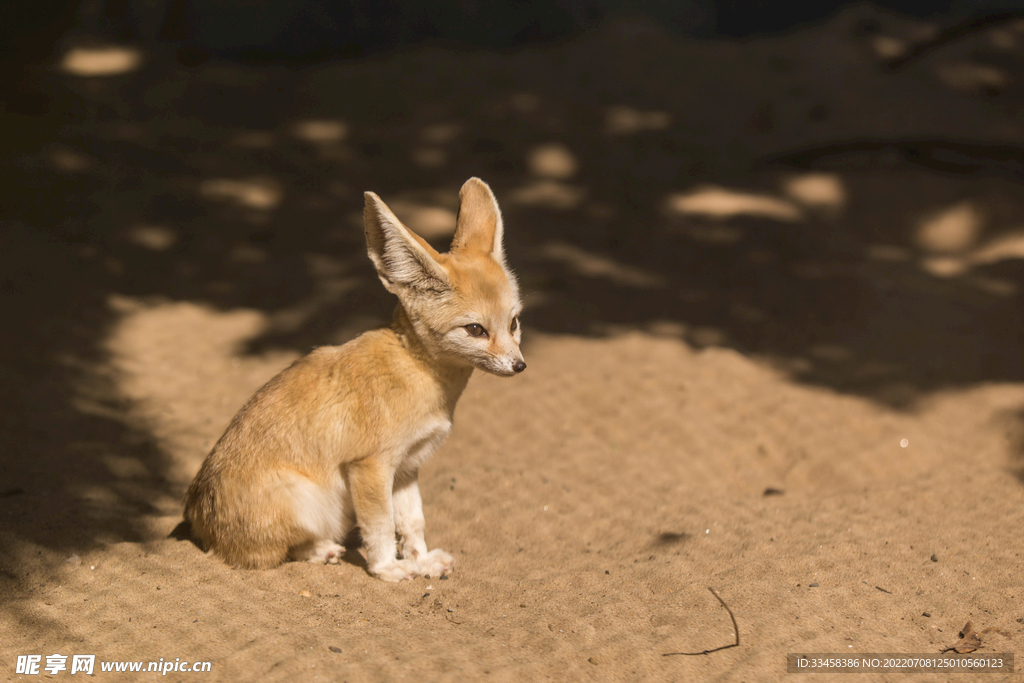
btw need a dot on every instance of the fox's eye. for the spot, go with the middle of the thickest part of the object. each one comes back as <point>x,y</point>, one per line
<point>476,330</point>
<point>515,325</point>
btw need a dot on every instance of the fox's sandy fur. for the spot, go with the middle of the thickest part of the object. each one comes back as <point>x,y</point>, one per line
<point>337,439</point>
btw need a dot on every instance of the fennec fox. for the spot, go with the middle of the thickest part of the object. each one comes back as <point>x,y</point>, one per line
<point>337,439</point>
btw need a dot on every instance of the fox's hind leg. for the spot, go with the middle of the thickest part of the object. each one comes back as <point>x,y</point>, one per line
<point>323,514</point>
<point>318,552</point>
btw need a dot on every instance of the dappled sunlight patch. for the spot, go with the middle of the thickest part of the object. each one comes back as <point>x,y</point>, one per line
<point>595,265</point>
<point>720,203</point>
<point>889,47</point>
<point>971,76</point>
<point>553,160</point>
<point>623,120</point>
<point>320,131</point>
<point>425,220</point>
<point>548,194</point>
<point>1009,245</point>
<point>824,192</point>
<point>951,230</point>
<point>944,266</point>
<point>1003,247</point>
<point>101,61</point>
<point>152,237</point>
<point>67,160</point>
<point>324,135</point>
<point>261,194</point>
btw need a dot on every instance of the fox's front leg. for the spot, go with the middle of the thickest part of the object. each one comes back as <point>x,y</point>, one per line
<point>411,525</point>
<point>371,486</point>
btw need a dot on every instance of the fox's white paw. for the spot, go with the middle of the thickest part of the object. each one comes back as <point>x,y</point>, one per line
<point>398,570</point>
<point>321,552</point>
<point>436,563</point>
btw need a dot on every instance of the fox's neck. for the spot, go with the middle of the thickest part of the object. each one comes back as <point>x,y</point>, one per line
<point>450,375</point>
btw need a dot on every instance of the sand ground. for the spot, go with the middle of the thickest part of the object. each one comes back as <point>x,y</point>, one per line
<point>773,329</point>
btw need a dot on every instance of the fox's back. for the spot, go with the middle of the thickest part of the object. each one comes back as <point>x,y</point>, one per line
<point>335,405</point>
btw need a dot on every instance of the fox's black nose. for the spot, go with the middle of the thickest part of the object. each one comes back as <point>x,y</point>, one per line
<point>519,366</point>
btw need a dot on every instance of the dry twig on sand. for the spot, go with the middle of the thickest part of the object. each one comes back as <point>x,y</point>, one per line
<point>736,629</point>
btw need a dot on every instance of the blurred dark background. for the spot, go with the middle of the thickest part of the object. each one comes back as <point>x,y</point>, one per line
<point>276,30</point>
<point>215,152</point>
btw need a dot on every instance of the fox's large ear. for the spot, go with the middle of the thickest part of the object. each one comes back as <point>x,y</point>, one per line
<point>402,258</point>
<point>479,227</point>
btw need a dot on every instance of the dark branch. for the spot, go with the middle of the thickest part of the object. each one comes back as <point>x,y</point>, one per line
<point>953,33</point>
